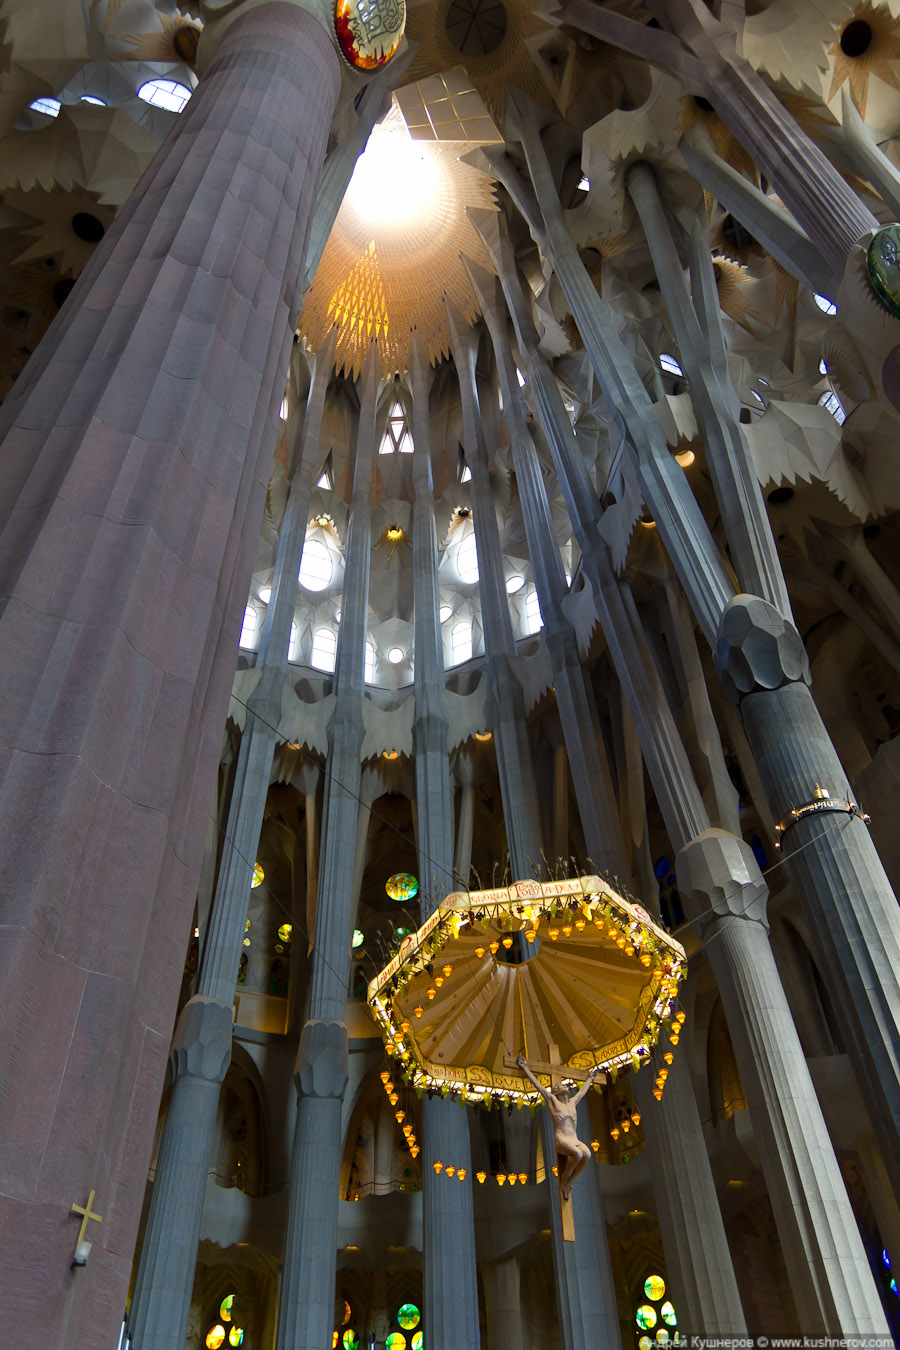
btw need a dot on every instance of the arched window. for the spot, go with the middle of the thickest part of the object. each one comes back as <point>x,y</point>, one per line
<point>168,94</point>
<point>369,667</point>
<point>250,629</point>
<point>533,618</point>
<point>461,642</point>
<point>324,649</point>
<point>467,559</point>
<point>294,642</point>
<point>655,1320</point>
<point>316,566</point>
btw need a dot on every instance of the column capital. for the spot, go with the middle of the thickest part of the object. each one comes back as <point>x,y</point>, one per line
<point>202,1044</point>
<point>323,1062</point>
<point>720,875</point>
<point>757,649</point>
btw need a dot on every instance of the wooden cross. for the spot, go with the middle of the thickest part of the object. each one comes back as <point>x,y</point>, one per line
<point>87,1213</point>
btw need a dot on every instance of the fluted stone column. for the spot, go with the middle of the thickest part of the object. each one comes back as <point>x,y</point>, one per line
<point>696,319</point>
<point>581,1280</point>
<point>170,1224</point>
<point>451,1281</point>
<point>574,697</point>
<point>503,1296</point>
<point>310,1252</point>
<point>682,526</point>
<point>137,449</point>
<point>704,52</point>
<point>849,906</point>
<point>201,1053</point>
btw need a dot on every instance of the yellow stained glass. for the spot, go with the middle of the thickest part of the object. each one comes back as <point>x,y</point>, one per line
<point>236,1336</point>
<point>285,932</point>
<point>225,1307</point>
<point>645,1317</point>
<point>215,1337</point>
<point>667,1313</point>
<point>654,1287</point>
<point>409,1315</point>
<point>396,1341</point>
<point>259,876</point>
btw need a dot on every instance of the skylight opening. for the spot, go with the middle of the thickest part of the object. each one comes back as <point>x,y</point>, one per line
<point>445,612</point>
<point>533,618</point>
<point>466,475</point>
<point>825,305</point>
<point>393,180</point>
<point>369,664</point>
<point>514,583</point>
<point>92,98</point>
<point>395,655</point>
<point>48,106</point>
<point>168,94</point>
<point>461,643</point>
<point>584,183</point>
<point>669,364</point>
<point>834,405</point>
<point>324,649</point>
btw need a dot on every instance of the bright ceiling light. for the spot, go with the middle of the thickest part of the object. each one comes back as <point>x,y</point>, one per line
<point>393,180</point>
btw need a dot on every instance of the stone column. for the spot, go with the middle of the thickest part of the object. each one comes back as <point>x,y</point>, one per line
<point>696,320</point>
<point>574,696</point>
<point>682,526</point>
<point>170,1223</point>
<point>517,783</point>
<point>137,449</point>
<point>704,52</point>
<point>306,1305</point>
<point>451,1281</point>
<point>849,906</point>
<point>201,1053</point>
<point>831,1280</point>
<point>310,1251</point>
<point>502,1291</point>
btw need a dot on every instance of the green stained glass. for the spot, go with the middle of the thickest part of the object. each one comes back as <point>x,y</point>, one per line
<point>883,263</point>
<point>667,1313</point>
<point>409,1316</point>
<point>417,1341</point>
<point>235,1336</point>
<point>285,932</point>
<point>654,1287</point>
<point>396,1341</point>
<point>358,938</point>
<point>350,1340</point>
<point>225,1307</point>
<point>645,1317</point>
<point>402,886</point>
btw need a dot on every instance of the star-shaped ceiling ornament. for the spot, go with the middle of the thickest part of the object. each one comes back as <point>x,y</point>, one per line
<point>868,44</point>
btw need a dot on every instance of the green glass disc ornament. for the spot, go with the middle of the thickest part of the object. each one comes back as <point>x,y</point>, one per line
<point>409,1316</point>
<point>402,886</point>
<point>883,264</point>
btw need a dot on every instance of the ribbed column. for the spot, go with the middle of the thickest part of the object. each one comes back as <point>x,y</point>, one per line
<point>451,1281</point>
<point>310,1253</point>
<point>831,1281</point>
<point>703,51</point>
<point>170,1223</point>
<point>849,906</point>
<point>682,526</point>
<point>137,448</point>
<point>503,1296</point>
<point>574,698</point>
<point>696,319</point>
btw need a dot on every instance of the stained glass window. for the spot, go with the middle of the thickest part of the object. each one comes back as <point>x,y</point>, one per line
<point>533,618</point>
<point>409,1316</point>
<point>417,1342</point>
<point>667,1313</point>
<point>225,1307</point>
<point>316,567</point>
<point>236,1336</point>
<point>645,1317</point>
<point>654,1287</point>
<point>396,1341</point>
<point>215,1337</point>
<point>350,1340</point>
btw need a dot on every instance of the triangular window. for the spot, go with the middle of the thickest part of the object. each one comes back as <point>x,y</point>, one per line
<point>396,436</point>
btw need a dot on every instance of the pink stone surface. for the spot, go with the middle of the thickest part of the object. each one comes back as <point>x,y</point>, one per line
<point>136,451</point>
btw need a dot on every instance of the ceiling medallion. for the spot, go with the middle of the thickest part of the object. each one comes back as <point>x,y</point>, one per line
<point>369,31</point>
<point>883,265</point>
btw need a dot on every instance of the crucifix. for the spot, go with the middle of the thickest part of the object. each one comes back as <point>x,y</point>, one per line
<point>87,1213</point>
<point>572,1155</point>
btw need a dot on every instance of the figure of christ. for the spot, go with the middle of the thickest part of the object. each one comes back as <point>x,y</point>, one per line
<point>562,1110</point>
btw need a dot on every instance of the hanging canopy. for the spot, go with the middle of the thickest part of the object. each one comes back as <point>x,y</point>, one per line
<point>563,967</point>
